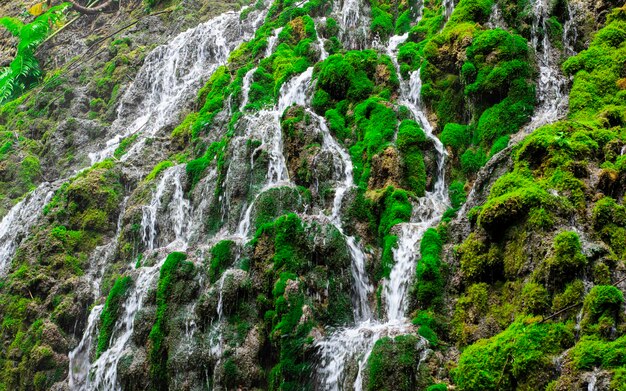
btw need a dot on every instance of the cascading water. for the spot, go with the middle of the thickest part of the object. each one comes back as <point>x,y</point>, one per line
<point>177,217</point>
<point>79,357</point>
<point>495,19</point>
<point>356,343</point>
<point>353,16</point>
<point>18,222</point>
<point>271,42</point>
<point>552,94</point>
<point>245,88</point>
<point>448,8</point>
<point>171,75</point>
<point>265,125</point>
<point>103,372</point>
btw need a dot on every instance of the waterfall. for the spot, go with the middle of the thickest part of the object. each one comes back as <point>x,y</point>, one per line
<point>247,81</point>
<point>343,163</point>
<point>79,357</point>
<point>265,125</point>
<point>448,8</point>
<point>103,372</point>
<point>15,226</point>
<point>173,217</point>
<point>552,86</point>
<point>356,343</point>
<point>169,77</point>
<point>495,19</point>
<point>172,74</point>
<point>271,42</point>
<point>353,17</point>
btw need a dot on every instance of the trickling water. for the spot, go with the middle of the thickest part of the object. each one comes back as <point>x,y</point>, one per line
<point>101,256</point>
<point>247,81</point>
<point>79,357</point>
<point>348,344</point>
<point>495,19</point>
<point>593,380</point>
<point>552,96</point>
<point>570,32</point>
<point>353,17</point>
<point>103,372</point>
<point>171,75</point>
<point>173,215</point>
<point>271,42</point>
<point>448,8</point>
<point>17,223</point>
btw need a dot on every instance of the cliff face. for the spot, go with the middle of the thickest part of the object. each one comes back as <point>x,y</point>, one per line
<point>314,195</point>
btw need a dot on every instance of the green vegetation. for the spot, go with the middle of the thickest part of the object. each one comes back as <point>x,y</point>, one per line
<point>111,312</point>
<point>392,365</point>
<point>521,356</point>
<point>80,213</point>
<point>24,71</point>
<point>222,257</point>
<point>175,273</point>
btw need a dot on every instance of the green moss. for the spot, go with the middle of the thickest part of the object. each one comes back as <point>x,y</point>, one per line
<point>480,260</point>
<point>603,300</point>
<point>410,140</point>
<point>111,312</point>
<point>457,195</point>
<point>174,268</point>
<point>455,136</point>
<point>567,260</point>
<point>392,364</point>
<point>429,284</point>
<point>158,169</point>
<point>592,352</point>
<point>222,257</point>
<point>124,145</point>
<point>535,299</point>
<point>520,356</point>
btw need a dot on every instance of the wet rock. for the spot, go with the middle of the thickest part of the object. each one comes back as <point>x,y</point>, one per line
<point>386,170</point>
<point>132,369</point>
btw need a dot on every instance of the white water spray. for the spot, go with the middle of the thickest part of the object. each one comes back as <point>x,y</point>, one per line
<point>16,225</point>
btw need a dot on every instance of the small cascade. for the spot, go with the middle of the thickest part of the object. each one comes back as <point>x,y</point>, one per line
<point>495,19</point>
<point>79,357</point>
<point>570,32</point>
<point>172,74</point>
<point>247,81</point>
<point>356,343</point>
<point>271,42</point>
<point>103,254</point>
<point>16,225</point>
<point>353,17</point>
<point>320,42</point>
<point>593,380</point>
<point>174,215</point>
<point>103,372</point>
<point>552,86</point>
<point>343,163</point>
<point>448,8</point>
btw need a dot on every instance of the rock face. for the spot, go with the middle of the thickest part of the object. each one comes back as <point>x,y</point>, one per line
<point>314,196</point>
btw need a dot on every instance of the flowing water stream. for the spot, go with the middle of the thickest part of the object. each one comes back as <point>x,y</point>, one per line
<point>171,76</point>
<point>16,225</point>
<point>343,347</point>
<point>552,85</point>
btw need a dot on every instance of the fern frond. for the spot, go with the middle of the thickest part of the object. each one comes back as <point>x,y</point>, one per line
<point>13,25</point>
<point>25,70</point>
